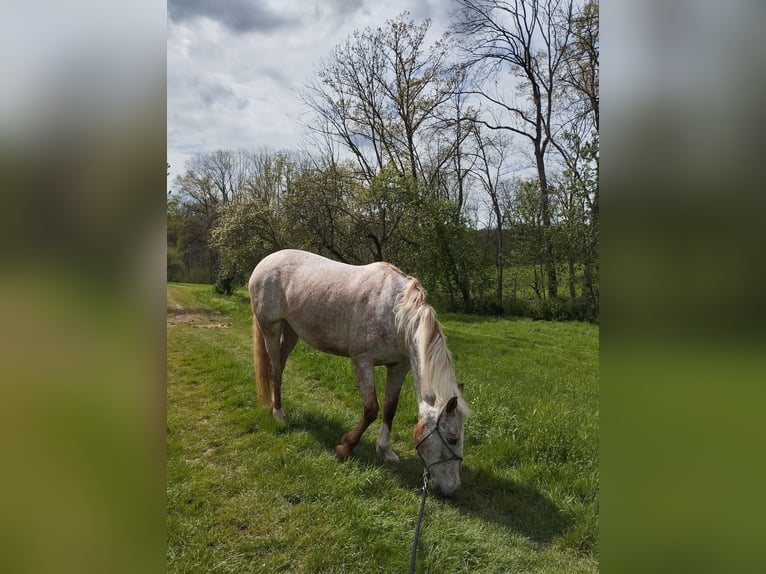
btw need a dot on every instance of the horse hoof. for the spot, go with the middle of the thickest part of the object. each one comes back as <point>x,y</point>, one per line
<point>279,415</point>
<point>342,452</point>
<point>387,455</point>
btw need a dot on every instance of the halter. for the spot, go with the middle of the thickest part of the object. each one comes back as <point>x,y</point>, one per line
<point>426,476</point>
<point>436,430</point>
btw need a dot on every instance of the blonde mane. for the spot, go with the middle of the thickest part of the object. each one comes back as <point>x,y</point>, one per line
<point>416,320</point>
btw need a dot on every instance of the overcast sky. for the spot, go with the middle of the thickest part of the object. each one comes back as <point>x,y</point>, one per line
<point>234,68</point>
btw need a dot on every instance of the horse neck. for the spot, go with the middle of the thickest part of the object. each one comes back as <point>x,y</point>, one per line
<point>431,361</point>
<point>433,374</point>
<point>423,392</point>
<point>429,358</point>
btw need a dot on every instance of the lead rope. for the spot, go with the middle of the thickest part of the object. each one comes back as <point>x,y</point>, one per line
<point>426,466</point>
<point>420,519</point>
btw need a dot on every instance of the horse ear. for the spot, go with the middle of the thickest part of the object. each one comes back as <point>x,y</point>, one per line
<point>451,405</point>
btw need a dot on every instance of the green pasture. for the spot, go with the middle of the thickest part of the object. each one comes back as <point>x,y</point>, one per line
<point>248,494</point>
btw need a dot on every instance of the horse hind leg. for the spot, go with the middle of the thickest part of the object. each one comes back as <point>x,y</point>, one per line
<point>289,340</point>
<point>287,344</point>
<point>365,376</point>
<point>273,336</point>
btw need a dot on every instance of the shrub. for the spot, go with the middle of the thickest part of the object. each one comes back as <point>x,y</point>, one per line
<point>224,285</point>
<point>565,310</point>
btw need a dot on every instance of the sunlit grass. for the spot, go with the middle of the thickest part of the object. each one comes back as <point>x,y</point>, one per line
<point>246,494</point>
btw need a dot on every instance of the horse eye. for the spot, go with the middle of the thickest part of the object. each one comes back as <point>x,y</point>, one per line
<point>452,441</point>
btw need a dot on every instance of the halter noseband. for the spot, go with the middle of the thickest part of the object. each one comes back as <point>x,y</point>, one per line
<point>436,430</point>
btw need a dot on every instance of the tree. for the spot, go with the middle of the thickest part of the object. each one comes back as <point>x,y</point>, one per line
<point>221,172</point>
<point>348,218</point>
<point>378,94</point>
<point>491,153</point>
<point>579,146</point>
<point>579,201</point>
<point>245,232</point>
<point>379,97</point>
<point>318,202</point>
<point>266,175</point>
<point>527,38</point>
<point>581,61</point>
<point>211,181</point>
<point>258,220</point>
<point>378,209</point>
<point>525,219</point>
<point>189,256</point>
<point>224,202</point>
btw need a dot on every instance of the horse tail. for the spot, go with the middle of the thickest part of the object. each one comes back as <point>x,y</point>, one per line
<point>262,365</point>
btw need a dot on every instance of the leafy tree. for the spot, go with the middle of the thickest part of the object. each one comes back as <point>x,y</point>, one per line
<point>579,146</point>
<point>379,93</point>
<point>378,209</point>
<point>385,96</point>
<point>526,220</point>
<point>320,211</point>
<point>246,232</point>
<point>491,155</point>
<point>580,219</point>
<point>190,257</point>
<point>527,38</point>
<point>258,220</point>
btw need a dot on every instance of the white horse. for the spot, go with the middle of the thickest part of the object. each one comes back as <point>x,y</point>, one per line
<point>375,315</point>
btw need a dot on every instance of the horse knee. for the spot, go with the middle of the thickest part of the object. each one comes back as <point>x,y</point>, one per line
<point>370,413</point>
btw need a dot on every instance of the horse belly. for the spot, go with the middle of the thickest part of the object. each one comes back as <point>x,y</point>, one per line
<point>326,345</point>
<point>323,335</point>
<point>375,342</point>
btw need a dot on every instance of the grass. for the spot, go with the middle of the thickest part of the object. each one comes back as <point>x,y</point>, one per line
<point>247,494</point>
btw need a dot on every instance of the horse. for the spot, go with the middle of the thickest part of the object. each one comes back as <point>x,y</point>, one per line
<point>376,315</point>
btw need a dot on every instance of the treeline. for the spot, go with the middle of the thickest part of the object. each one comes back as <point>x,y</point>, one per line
<point>414,158</point>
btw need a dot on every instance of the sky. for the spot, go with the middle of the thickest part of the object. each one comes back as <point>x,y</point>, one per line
<point>235,68</point>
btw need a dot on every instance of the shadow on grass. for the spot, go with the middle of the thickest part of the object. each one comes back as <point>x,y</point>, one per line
<point>516,506</point>
<point>325,430</point>
<point>513,505</point>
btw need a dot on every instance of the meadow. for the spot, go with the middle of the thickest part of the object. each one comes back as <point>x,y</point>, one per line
<point>248,494</point>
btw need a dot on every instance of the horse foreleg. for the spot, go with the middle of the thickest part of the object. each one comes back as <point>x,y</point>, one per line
<point>365,376</point>
<point>394,379</point>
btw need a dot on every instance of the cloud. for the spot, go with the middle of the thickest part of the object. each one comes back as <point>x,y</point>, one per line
<point>235,69</point>
<point>240,16</point>
<point>216,96</point>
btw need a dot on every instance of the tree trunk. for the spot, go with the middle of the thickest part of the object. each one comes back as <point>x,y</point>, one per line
<point>378,251</point>
<point>453,273</point>
<point>545,208</point>
<point>500,283</point>
<point>572,290</point>
<point>498,248</point>
<point>588,291</point>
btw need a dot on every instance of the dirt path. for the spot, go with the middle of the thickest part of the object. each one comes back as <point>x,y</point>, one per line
<point>199,316</point>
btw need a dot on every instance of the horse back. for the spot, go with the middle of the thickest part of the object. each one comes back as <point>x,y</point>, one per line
<point>338,308</point>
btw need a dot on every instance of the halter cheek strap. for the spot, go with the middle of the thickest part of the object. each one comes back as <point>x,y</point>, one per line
<point>436,430</point>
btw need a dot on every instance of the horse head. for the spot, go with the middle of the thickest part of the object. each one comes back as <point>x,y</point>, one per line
<point>439,444</point>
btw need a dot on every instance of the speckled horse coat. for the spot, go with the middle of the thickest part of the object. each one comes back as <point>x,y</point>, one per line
<point>376,315</point>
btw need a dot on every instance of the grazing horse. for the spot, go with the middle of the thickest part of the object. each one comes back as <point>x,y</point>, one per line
<point>375,315</point>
